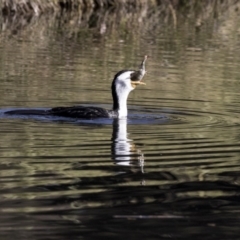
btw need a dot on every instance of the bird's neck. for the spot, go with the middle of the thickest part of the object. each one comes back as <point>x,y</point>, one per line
<point>120,103</point>
<point>122,106</point>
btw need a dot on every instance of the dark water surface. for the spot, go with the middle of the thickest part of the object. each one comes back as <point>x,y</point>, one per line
<point>170,171</point>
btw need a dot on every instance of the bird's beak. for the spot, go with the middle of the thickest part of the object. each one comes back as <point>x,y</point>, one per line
<point>135,83</point>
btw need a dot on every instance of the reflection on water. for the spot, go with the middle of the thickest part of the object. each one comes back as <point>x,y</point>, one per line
<point>124,151</point>
<point>171,170</point>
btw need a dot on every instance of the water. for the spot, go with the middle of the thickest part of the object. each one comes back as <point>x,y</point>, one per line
<point>171,170</point>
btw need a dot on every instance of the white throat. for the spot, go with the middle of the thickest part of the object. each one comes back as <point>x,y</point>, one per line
<point>121,87</point>
<point>122,101</point>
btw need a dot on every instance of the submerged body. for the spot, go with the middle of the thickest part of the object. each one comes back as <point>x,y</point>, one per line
<point>123,83</point>
<point>72,112</point>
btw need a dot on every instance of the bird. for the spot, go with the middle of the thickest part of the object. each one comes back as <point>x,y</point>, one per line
<point>123,83</point>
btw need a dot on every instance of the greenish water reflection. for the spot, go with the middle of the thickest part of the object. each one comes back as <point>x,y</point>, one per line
<point>181,141</point>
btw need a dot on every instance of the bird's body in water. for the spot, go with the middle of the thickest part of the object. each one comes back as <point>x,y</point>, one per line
<point>123,83</point>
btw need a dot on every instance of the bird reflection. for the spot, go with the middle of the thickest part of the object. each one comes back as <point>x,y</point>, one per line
<point>124,151</point>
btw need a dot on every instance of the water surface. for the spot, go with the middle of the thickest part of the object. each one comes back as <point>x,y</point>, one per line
<point>171,170</point>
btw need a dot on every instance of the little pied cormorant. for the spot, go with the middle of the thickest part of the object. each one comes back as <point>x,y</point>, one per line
<point>123,83</point>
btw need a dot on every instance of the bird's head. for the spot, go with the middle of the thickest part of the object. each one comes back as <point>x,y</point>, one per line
<point>123,83</point>
<point>127,80</point>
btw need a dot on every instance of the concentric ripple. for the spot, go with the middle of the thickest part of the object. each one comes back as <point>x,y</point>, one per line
<point>188,118</point>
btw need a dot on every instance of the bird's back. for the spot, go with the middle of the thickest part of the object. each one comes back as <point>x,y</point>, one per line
<point>79,112</point>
